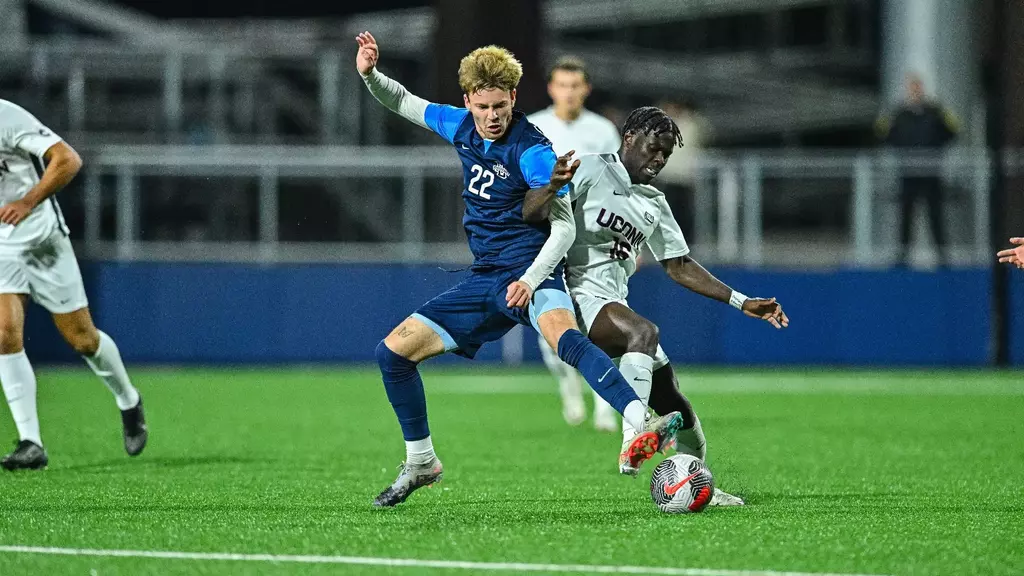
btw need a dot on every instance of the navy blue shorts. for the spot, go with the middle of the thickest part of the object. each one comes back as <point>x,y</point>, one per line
<point>474,311</point>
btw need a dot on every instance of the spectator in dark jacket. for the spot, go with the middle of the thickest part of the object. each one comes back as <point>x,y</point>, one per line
<point>926,125</point>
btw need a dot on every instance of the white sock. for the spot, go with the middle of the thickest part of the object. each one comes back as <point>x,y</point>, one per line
<point>19,383</point>
<point>628,431</point>
<point>419,451</point>
<point>634,414</point>
<point>108,366</point>
<point>638,369</point>
<point>691,441</point>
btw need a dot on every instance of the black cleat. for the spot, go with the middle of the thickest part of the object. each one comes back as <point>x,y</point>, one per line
<point>135,433</point>
<point>27,456</point>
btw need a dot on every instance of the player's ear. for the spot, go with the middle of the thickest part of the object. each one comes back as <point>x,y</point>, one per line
<point>512,93</point>
<point>465,100</point>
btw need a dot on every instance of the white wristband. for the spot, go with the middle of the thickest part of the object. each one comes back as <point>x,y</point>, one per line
<point>736,300</point>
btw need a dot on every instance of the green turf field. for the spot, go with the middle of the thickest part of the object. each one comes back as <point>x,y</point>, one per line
<point>849,472</point>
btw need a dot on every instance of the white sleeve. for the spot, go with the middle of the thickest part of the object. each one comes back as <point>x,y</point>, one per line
<point>667,242</point>
<point>22,131</point>
<point>590,168</point>
<point>563,234</point>
<point>396,98</point>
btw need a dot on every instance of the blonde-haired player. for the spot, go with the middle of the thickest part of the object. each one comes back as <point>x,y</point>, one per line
<point>37,260</point>
<point>570,126</point>
<point>507,165</point>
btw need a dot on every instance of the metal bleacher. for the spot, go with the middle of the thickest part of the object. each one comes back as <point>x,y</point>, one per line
<point>232,121</point>
<point>256,81</point>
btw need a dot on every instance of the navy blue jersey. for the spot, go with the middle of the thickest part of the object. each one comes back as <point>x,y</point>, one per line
<point>497,175</point>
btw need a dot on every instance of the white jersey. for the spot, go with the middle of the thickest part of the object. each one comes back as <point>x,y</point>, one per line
<point>590,133</point>
<point>23,142</point>
<point>614,219</point>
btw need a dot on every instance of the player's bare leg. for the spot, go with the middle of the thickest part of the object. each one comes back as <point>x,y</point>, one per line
<point>558,326</point>
<point>19,384</point>
<point>665,398</point>
<point>101,354</point>
<point>398,355</point>
<point>621,332</point>
<point>570,388</point>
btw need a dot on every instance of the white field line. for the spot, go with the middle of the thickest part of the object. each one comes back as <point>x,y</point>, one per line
<point>401,562</point>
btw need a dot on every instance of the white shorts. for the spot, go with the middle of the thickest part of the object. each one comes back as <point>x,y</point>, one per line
<point>587,308</point>
<point>48,272</point>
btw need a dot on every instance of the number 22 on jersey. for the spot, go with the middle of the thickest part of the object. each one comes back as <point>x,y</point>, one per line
<point>481,181</point>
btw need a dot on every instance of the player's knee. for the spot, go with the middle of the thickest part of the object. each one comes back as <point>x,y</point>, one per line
<point>390,362</point>
<point>10,338</point>
<point>643,337</point>
<point>383,354</point>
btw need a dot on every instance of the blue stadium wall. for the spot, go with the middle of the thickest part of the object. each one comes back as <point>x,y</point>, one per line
<point>226,313</point>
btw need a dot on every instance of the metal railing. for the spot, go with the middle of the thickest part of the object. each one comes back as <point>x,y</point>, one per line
<point>240,91</point>
<point>234,94</point>
<point>406,201</point>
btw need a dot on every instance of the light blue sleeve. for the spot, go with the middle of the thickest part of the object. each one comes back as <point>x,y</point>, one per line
<point>536,165</point>
<point>444,119</point>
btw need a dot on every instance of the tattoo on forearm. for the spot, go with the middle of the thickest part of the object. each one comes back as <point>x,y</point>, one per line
<point>404,332</point>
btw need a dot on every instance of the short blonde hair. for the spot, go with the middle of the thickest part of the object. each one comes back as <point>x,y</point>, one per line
<point>489,67</point>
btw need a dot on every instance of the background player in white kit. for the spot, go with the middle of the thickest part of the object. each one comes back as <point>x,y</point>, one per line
<point>37,260</point>
<point>570,126</point>
<point>617,212</point>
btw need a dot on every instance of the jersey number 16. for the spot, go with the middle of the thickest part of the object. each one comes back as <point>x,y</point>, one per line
<point>481,181</point>
<point>620,250</point>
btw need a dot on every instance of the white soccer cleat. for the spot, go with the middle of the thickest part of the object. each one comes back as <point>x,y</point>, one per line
<point>665,427</point>
<point>411,478</point>
<point>625,468</point>
<point>721,498</point>
<point>636,451</point>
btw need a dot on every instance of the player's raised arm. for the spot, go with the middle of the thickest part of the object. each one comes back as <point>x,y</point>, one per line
<point>387,91</point>
<point>669,247</point>
<point>444,120</point>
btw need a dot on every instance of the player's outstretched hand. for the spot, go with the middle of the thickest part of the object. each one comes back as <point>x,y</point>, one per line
<point>768,310</point>
<point>366,56</point>
<point>1013,256</point>
<point>564,171</point>
<point>15,212</point>
<point>518,295</point>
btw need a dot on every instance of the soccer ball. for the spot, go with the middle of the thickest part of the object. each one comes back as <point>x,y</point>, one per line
<point>682,484</point>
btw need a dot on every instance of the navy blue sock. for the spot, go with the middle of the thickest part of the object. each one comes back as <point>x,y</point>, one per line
<point>405,392</point>
<point>597,368</point>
